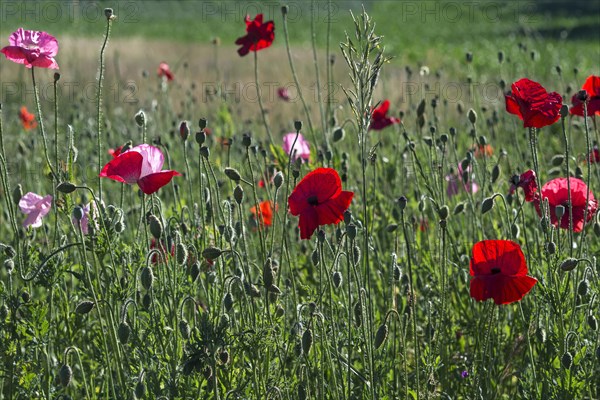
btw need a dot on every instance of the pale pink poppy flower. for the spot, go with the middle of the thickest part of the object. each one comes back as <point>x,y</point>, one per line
<point>142,165</point>
<point>32,48</point>
<point>165,70</point>
<point>301,148</point>
<point>36,207</point>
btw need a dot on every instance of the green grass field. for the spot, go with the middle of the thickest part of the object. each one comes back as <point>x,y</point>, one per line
<point>189,293</point>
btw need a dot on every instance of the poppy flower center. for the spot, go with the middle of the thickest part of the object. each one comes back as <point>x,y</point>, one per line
<point>313,200</point>
<point>495,271</point>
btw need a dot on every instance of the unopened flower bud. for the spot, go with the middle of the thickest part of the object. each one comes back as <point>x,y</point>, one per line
<point>238,194</point>
<point>204,152</point>
<point>233,174</point>
<point>78,213</point>
<point>298,125</point>
<point>487,204</point>
<point>443,212</point>
<point>140,118</point>
<point>65,374</point>
<point>338,134</point>
<point>184,130</point>
<point>566,360</point>
<point>380,336</point>
<point>278,179</point>
<point>212,253</point>
<point>147,277</point>
<point>569,264</point>
<point>472,115</point>
<point>402,202</point>
<point>84,307</point>
<point>337,279</point>
<point>564,111</point>
<point>66,187</point>
<point>307,340</point>
<point>156,227</point>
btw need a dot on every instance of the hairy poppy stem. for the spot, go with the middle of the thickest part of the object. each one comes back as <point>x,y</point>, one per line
<point>41,123</point>
<point>589,170</point>
<point>99,104</point>
<point>263,113</point>
<point>568,187</point>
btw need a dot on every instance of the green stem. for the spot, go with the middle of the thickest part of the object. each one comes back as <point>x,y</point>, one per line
<point>99,105</point>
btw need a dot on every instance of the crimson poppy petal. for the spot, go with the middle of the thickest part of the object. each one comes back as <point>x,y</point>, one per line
<point>332,211</point>
<point>151,183</point>
<point>308,222</point>
<point>125,168</point>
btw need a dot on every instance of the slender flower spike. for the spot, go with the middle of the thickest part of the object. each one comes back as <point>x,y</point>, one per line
<point>301,149</point>
<point>557,193</point>
<point>165,71</point>
<point>266,212</point>
<point>499,272</point>
<point>142,165</point>
<point>27,119</point>
<point>319,200</point>
<point>525,181</point>
<point>259,35</point>
<point>32,48</point>
<point>592,87</point>
<point>379,118</point>
<point>533,104</point>
<point>36,207</point>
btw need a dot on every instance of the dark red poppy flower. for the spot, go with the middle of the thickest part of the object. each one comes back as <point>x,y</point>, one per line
<point>142,165</point>
<point>27,119</point>
<point>283,93</point>
<point>527,182</point>
<point>115,152</point>
<point>532,104</point>
<point>379,118</point>
<point>165,71</point>
<point>592,87</point>
<point>258,35</point>
<point>557,193</point>
<point>595,155</point>
<point>499,272</point>
<point>319,200</point>
<point>266,212</point>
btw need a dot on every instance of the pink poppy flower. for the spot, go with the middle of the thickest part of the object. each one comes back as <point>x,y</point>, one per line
<point>32,48</point>
<point>165,70</point>
<point>301,148</point>
<point>527,182</point>
<point>36,207</point>
<point>142,165</point>
<point>283,94</point>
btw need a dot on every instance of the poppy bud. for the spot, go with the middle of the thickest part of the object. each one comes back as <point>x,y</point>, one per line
<point>181,253</point>
<point>452,131</point>
<point>140,118</point>
<point>380,336</point>
<point>551,248</point>
<point>233,174</point>
<point>108,13</point>
<point>10,252</point>
<point>402,202</point>
<point>147,277</point>
<point>200,137</point>
<point>298,125</point>
<point>140,390</point>
<point>495,173</point>
<point>279,311</point>
<point>238,194</point>
<point>251,290</point>
<point>351,231</point>
<point>469,57</point>
<point>184,329</point>
<point>347,217</point>
<point>564,111</point>
<point>9,264</point>
<point>592,322</point>
<point>202,123</point>
<point>557,160</point>
<point>147,301</point>
<point>224,357</point>
<point>278,179</point>
<point>314,257</point>
<point>17,193</point>
<point>582,287</point>
<point>228,301</point>
<point>84,307</point>
<point>500,57</point>
<point>123,332</point>
<point>566,360</point>
<point>184,130</point>
<point>268,275</point>
<point>460,207</point>
<point>338,134</point>
<point>284,10</point>
<point>559,211</point>
<point>65,374</point>
<point>569,264</point>
<point>582,95</point>
<point>358,314</point>
<point>155,226</point>
<point>487,205</point>
<point>246,140</point>
<point>337,279</point>
<point>321,235</point>
<point>443,212</point>
<point>212,253</point>
<point>307,340</point>
<point>66,187</point>
<point>472,115</point>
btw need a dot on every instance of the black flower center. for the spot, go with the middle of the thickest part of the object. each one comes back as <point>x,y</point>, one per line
<point>313,200</point>
<point>495,271</point>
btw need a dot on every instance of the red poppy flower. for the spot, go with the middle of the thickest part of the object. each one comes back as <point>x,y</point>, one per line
<point>557,193</point>
<point>165,70</point>
<point>379,118</point>
<point>499,272</point>
<point>27,119</point>
<point>483,150</point>
<point>319,200</point>
<point>258,35</point>
<point>266,212</point>
<point>283,93</point>
<point>592,86</point>
<point>142,165</point>
<point>525,181</point>
<point>115,152</point>
<point>532,104</point>
<point>595,156</point>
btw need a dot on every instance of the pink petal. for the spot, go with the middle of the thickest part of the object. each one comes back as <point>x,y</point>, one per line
<point>125,168</point>
<point>34,220</point>
<point>153,159</point>
<point>151,183</point>
<point>28,202</point>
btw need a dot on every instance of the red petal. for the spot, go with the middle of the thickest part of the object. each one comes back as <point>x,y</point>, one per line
<point>151,183</point>
<point>502,289</point>
<point>125,168</point>
<point>512,106</point>
<point>505,255</point>
<point>332,211</point>
<point>308,223</point>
